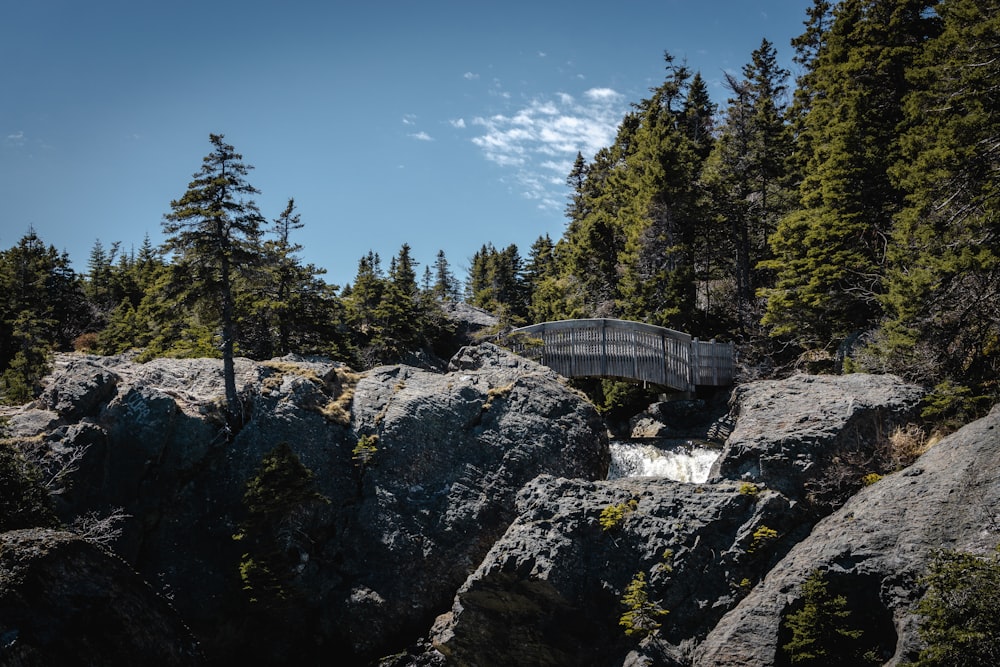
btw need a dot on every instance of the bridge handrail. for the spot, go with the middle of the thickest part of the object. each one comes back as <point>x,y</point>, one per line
<point>606,347</point>
<point>600,322</point>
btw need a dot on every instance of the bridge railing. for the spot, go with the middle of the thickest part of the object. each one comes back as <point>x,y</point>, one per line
<point>629,350</point>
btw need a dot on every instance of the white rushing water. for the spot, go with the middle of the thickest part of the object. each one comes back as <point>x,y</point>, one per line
<point>688,462</point>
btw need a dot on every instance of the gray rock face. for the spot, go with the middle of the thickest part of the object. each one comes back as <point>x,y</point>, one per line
<point>550,591</point>
<point>64,601</point>
<point>453,451</point>
<point>876,547</point>
<point>789,432</point>
<point>400,531</point>
<point>488,480</point>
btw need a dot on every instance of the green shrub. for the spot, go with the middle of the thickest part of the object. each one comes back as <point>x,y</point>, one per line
<point>749,489</point>
<point>24,501</point>
<point>952,405</point>
<point>277,501</point>
<point>364,451</point>
<point>640,617</point>
<point>761,536</point>
<point>613,515</point>
<point>821,631</point>
<point>871,478</point>
<point>961,611</point>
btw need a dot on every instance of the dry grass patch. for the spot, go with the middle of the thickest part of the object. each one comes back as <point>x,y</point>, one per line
<point>337,388</point>
<point>908,443</point>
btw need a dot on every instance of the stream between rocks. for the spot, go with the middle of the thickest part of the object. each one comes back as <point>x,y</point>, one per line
<point>680,460</point>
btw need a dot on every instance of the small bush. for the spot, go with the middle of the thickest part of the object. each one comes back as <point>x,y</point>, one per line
<point>951,406</point>
<point>24,501</point>
<point>364,451</point>
<point>749,489</point>
<point>961,611</point>
<point>640,617</point>
<point>871,478</point>
<point>85,342</point>
<point>613,515</point>
<point>761,536</point>
<point>907,444</point>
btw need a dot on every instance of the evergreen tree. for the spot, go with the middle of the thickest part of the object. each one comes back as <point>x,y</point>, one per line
<point>540,269</point>
<point>496,283</point>
<point>745,173</point>
<point>397,316</point>
<point>595,237</point>
<point>42,307</point>
<point>662,214</point>
<point>213,231</point>
<point>961,611</point>
<point>822,634</point>
<point>943,296</point>
<point>829,255</point>
<point>445,286</point>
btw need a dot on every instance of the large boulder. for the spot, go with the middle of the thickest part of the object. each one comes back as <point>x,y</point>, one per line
<point>349,507</point>
<point>800,435</point>
<point>64,601</point>
<point>551,591</point>
<point>452,452</point>
<point>874,550</point>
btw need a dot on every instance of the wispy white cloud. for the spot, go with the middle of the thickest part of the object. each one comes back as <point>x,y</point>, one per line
<point>422,136</point>
<point>16,138</point>
<point>409,119</point>
<point>471,76</point>
<point>458,122</point>
<point>540,140</point>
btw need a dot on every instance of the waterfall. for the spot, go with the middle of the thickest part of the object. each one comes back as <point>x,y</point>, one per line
<point>684,462</point>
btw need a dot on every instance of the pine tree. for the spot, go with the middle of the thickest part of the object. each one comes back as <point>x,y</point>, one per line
<point>444,286</point>
<point>745,172</point>
<point>397,317</point>
<point>662,215</point>
<point>829,255</point>
<point>943,296</point>
<point>42,307</point>
<point>213,231</point>
<point>821,631</point>
<point>960,612</point>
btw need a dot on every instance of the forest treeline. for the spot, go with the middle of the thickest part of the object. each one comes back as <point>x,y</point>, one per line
<point>844,220</point>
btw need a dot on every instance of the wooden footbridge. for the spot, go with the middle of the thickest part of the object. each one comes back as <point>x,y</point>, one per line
<point>626,350</point>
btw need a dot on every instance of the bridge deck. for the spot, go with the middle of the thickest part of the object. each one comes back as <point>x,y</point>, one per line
<point>628,350</point>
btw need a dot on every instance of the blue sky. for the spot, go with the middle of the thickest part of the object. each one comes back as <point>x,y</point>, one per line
<point>439,124</point>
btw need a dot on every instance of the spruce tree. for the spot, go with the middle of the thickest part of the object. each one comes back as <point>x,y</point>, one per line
<point>661,216</point>
<point>213,231</point>
<point>943,284</point>
<point>42,308</point>
<point>829,255</point>
<point>822,634</point>
<point>745,173</point>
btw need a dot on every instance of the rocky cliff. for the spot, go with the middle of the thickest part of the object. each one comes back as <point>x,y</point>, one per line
<point>463,517</point>
<point>412,476</point>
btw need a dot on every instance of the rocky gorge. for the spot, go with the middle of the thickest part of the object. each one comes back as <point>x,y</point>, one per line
<point>409,516</point>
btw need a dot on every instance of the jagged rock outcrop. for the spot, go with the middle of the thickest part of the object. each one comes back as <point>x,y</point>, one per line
<point>550,592</point>
<point>791,434</point>
<point>64,601</point>
<point>453,450</point>
<point>875,548</point>
<point>555,582</point>
<point>488,480</point>
<point>393,530</point>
